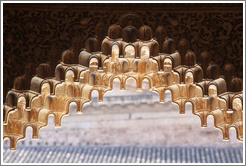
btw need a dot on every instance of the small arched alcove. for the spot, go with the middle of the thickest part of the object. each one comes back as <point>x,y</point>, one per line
<point>129,51</point>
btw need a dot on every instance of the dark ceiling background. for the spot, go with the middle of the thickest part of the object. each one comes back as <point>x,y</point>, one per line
<point>37,33</point>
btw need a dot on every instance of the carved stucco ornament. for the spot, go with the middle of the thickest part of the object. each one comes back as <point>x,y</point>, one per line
<point>127,52</point>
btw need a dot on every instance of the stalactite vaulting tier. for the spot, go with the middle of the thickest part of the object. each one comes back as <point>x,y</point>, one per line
<point>127,52</point>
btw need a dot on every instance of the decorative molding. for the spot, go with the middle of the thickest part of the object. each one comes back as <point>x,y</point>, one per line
<point>37,33</point>
<point>131,51</point>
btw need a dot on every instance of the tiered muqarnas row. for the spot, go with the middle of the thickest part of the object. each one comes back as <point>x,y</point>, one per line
<point>127,52</point>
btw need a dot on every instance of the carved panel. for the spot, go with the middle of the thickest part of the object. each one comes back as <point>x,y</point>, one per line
<point>36,33</point>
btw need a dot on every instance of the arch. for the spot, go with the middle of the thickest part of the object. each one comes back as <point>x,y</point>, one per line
<point>238,133</point>
<point>168,91</point>
<point>125,66</point>
<point>146,81</point>
<point>59,73</point>
<point>50,119</point>
<point>136,66</point>
<point>70,74</point>
<point>6,111</point>
<point>150,80</point>
<point>22,135</point>
<point>203,117</point>
<point>94,93</point>
<point>11,99</point>
<point>93,79</point>
<point>189,78</point>
<point>235,129</point>
<point>167,64</point>
<point>104,64</point>
<point>70,105</point>
<point>6,140</point>
<point>202,89</point>
<point>145,52</point>
<point>168,61</point>
<point>171,89</point>
<point>130,78</point>
<point>59,89</point>
<point>237,103</point>
<point>36,84</point>
<point>129,51</point>
<point>45,88</point>
<point>70,91</point>
<point>187,103</point>
<point>48,102</point>
<point>29,129</point>
<point>197,73</point>
<point>105,46</point>
<point>220,83</point>
<point>73,106</point>
<point>210,117</point>
<point>82,104</point>
<point>93,62</point>
<point>193,102</point>
<point>59,117</point>
<point>212,90</point>
<point>82,74</point>
<point>115,52</point>
<point>21,103</point>
<point>113,80</point>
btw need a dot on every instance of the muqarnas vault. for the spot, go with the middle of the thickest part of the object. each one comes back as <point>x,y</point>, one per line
<point>127,52</point>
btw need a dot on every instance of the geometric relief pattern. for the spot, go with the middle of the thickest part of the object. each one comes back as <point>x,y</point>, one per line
<point>34,34</point>
<point>127,51</point>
